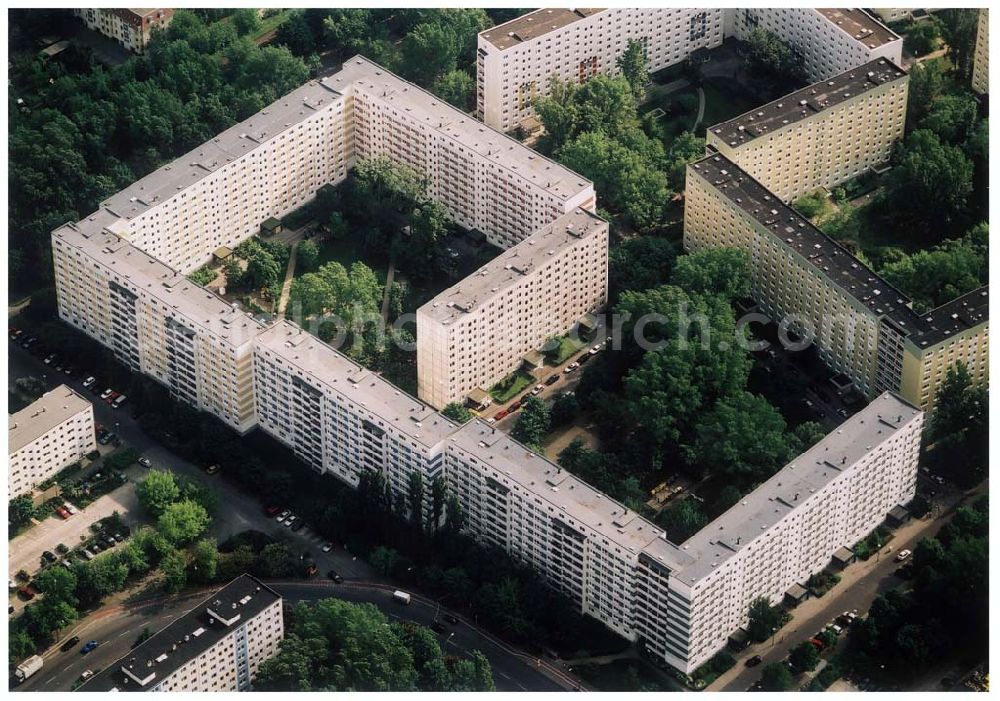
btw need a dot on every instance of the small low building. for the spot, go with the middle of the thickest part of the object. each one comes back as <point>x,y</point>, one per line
<point>222,253</point>
<point>479,399</point>
<point>533,360</point>
<point>796,594</point>
<point>897,516</point>
<point>271,226</point>
<point>739,640</point>
<point>588,325</point>
<point>843,557</point>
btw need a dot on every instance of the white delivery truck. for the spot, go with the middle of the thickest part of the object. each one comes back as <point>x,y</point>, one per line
<point>27,668</point>
<point>401,597</point>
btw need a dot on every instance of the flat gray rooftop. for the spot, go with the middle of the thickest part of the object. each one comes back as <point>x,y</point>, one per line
<point>455,125</point>
<point>808,101</point>
<point>860,25</point>
<point>186,638</point>
<point>534,24</point>
<point>838,264</point>
<point>509,267</point>
<point>356,383</point>
<point>202,308</point>
<point>574,502</point>
<point>793,484</point>
<point>42,415</point>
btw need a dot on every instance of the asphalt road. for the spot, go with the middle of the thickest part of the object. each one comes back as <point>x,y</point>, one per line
<point>118,628</point>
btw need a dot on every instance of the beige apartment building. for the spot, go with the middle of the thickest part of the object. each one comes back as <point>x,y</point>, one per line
<point>218,645</point>
<point>822,135</point>
<point>52,432</point>
<point>120,271</point>
<point>682,601</point>
<point>477,332</point>
<point>484,179</point>
<point>342,418</point>
<point>830,41</point>
<point>516,60</point>
<point>981,58</point>
<point>861,325</point>
<point>131,27</point>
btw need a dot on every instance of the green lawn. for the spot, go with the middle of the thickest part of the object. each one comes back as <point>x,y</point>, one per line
<point>567,347</point>
<point>509,387</point>
<point>723,101</point>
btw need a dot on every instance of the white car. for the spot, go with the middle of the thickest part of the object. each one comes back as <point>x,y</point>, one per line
<point>145,462</point>
<point>282,516</point>
<point>89,381</point>
<point>328,547</point>
<point>289,521</point>
<point>87,674</point>
<point>902,555</point>
<point>491,420</point>
<point>70,508</point>
<point>107,393</point>
<point>537,389</point>
<point>595,350</point>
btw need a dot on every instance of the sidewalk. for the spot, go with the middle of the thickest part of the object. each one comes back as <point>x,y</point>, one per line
<point>286,287</point>
<point>861,582</point>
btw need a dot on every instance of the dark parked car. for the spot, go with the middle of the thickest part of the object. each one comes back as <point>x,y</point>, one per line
<point>70,644</point>
<point>753,661</point>
<point>49,555</point>
<point>332,574</point>
<point>551,379</point>
<point>297,526</point>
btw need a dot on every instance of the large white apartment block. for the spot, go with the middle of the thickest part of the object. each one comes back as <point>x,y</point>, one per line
<point>156,320</point>
<point>217,646</point>
<point>516,59</point>
<point>822,135</point>
<point>342,418</point>
<point>55,430</point>
<point>475,333</point>
<point>119,272</point>
<point>981,58</point>
<point>486,180</point>
<point>129,26</point>
<point>830,41</point>
<point>861,326</point>
<point>683,601</point>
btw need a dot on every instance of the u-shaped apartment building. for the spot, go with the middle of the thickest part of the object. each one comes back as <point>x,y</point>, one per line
<point>120,279</point>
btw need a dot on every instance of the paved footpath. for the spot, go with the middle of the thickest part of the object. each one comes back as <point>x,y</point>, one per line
<point>861,582</point>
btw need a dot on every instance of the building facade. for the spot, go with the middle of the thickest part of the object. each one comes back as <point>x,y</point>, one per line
<point>47,435</point>
<point>516,60</point>
<point>342,418</point>
<point>119,272</point>
<point>475,333</point>
<point>822,135</point>
<point>217,646</point>
<point>830,41</point>
<point>981,58</point>
<point>130,27</point>
<point>681,602</point>
<point>861,326</point>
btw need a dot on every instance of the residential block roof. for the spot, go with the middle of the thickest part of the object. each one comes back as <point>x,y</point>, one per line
<point>507,269</point>
<point>359,385</point>
<point>811,100</point>
<point>836,263</point>
<point>860,25</point>
<point>185,638</point>
<point>41,416</point>
<point>535,24</point>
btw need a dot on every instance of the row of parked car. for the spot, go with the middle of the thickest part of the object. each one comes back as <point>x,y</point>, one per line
<point>537,389</point>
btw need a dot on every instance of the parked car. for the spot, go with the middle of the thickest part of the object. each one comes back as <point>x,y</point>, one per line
<point>119,400</point>
<point>212,469</point>
<point>49,556</point>
<point>502,414</point>
<point>27,592</point>
<point>298,526</point>
<point>584,359</point>
<point>753,661</point>
<point>551,379</point>
<point>272,511</point>
<point>327,547</point>
<point>70,508</point>
<point>513,407</point>
<point>145,462</point>
<point>285,513</point>
<point>89,382</point>
<point>292,518</point>
<point>61,510</point>
<point>112,397</point>
<point>87,674</point>
<point>537,389</point>
<point>70,644</point>
<point>332,574</point>
<point>107,438</point>
<point>107,393</point>
<point>91,645</point>
<point>49,358</point>
<point>902,555</point>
